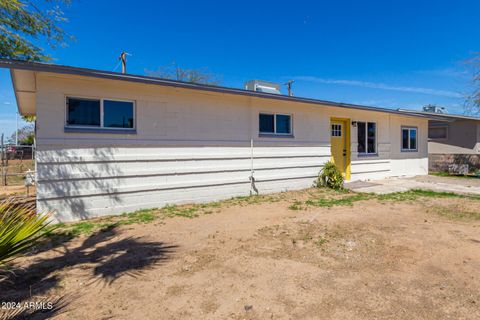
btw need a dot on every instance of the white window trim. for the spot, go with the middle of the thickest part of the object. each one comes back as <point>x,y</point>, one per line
<point>401,139</point>
<point>101,127</point>
<point>366,138</point>
<point>275,123</point>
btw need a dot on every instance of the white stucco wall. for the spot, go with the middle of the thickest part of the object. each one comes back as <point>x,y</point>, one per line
<point>193,146</point>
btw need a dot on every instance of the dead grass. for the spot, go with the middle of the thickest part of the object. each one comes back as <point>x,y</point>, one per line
<point>457,211</point>
<point>293,255</point>
<point>71,230</point>
<point>319,197</point>
<point>458,215</point>
<point>18,167</point>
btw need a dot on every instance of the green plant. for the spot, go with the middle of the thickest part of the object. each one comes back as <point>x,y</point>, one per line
<point>330,177</point>
<point>297,205</point>
<point>176,211</point>
<point>20,229</point>
<point>321,241</point>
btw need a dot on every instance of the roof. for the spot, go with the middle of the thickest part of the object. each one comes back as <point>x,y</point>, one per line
<point>26,95</point>
<point>442,116</point>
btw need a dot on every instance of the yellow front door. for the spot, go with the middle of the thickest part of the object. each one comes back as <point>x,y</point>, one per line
<point>339,135</point>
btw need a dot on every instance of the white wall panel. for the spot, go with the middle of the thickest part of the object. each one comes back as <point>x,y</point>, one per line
<point>80,183</point>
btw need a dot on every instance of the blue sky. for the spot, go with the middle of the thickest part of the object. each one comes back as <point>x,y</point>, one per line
<point>381,53</point>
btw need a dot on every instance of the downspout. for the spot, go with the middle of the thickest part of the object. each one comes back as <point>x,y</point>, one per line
<point>252,178</point>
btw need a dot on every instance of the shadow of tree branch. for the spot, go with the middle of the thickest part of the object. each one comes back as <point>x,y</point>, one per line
<point>112,259</point>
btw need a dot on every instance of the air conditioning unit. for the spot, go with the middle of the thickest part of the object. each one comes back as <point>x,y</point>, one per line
<point>434,109</point>
<point>263,86</point>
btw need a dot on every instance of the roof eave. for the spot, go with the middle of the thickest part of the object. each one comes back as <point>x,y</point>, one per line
<point>24,86</point>
<point>51,68</point>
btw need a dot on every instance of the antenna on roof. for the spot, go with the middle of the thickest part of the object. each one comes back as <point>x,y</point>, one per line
<point>123,59</point>
<point>289,87</point>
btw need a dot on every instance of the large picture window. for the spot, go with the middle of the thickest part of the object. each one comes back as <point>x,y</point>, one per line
<point>280,124</point>
<point>367,137</point>
<point>100,113</point>
<point>409,139</point>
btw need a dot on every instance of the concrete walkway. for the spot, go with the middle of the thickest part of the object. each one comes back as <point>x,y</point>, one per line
<point>434,183</point>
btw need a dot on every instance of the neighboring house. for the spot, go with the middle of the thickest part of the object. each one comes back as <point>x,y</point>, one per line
<point>109,143</point>
<point>453,142</point>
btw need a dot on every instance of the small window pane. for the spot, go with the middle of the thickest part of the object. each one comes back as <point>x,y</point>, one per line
<point>371,138</point>
<point>413,139</point>
<point>266,123</point>
<point>361,137</point>
<point>404,138</point>
<point>336,130</point>
<point>283,124</point>
<point>117,114</point>
<point>83,112</point>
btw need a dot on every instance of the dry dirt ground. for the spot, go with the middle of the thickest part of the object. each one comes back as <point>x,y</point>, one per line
<point>375,259</point>
<point>16,183</point>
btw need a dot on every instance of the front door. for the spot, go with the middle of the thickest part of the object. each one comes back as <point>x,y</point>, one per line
<point>338,137</point>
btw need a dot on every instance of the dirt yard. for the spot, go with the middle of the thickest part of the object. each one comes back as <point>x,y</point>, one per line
<point>297,255</point>
<point>15,171</point>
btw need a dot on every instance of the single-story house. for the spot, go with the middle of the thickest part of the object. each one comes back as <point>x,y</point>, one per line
<point>453,142</point>
<point>109,143</point>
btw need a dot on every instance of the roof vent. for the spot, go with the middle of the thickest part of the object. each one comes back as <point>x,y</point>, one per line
<point>434,109</point>
<point>263,86</point>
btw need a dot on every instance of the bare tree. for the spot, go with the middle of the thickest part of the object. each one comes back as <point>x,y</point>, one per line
<point>174,72</point>
<point>26,134</point>
<point>472,105</point>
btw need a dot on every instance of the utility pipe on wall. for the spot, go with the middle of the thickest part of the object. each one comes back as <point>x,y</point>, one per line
<point>252,179</point>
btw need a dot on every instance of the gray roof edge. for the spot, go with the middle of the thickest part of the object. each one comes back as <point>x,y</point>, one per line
<point>61,69</point>
<point>441,115</point>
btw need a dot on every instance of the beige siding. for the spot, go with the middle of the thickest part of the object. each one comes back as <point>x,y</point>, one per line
<point>193,146</point>
<point>463,137</point>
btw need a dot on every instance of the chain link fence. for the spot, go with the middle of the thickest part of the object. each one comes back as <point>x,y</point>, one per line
<point>16,162</point>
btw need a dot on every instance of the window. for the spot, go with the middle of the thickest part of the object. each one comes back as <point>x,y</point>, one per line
<point>267,123</point>
<point>438,132</point>
<point>367,137</point>
<point>409,139</point>
<point>117,114</point>
<point>83,112</point>
<point>100,113</point>
<point>336,130</point>
<point>280,124</point>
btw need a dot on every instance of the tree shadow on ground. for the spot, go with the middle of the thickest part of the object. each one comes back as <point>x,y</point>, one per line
<point>108,257</point>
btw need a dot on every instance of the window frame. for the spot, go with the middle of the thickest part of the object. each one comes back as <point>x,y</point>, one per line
<point>366,153</point>
<point>274,133</point>
<point>401,138</point>
<point>101,127</point>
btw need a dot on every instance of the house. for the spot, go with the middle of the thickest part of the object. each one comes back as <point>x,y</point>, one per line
<point>109,143</point>
<point>453,142</point>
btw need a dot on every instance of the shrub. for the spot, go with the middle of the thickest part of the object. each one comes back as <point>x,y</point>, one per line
<point>330,177</point>
<point>20,229</point>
